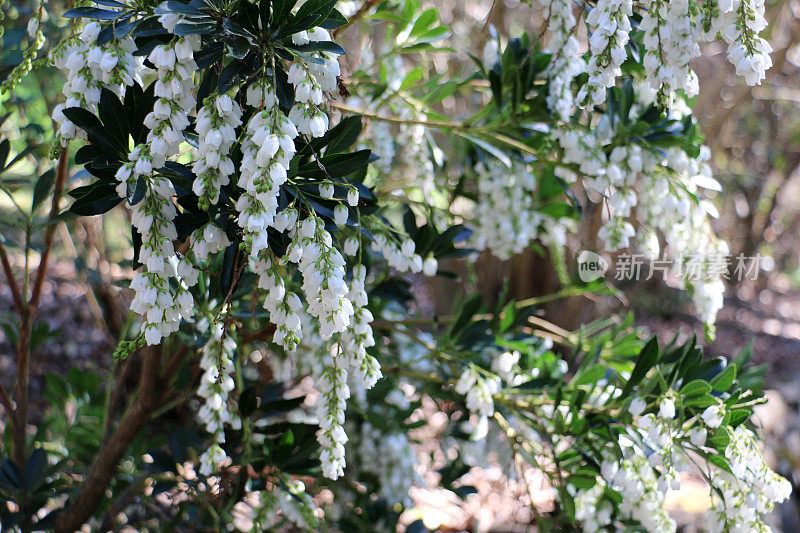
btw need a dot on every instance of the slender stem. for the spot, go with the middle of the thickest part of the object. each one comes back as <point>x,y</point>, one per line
<point>61,178</point>
<point>356,16</point>
<point>8,405</point>
<point>12,282</point>
<point>397,120</point>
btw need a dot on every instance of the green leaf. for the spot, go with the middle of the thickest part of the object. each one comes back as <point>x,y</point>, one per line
<point>436,34</point>
<point>335,20</point>
<point>590,375</point>
<point>723,381</point>
<point>239,47</point>
<point>189,28</point>
<point>228,267</point>
<point>719,439</point>
<point>582,481</point>
<point>697,387</point>
<point>5,149</point>
<point>509,315</point>
<point>412,78</point>
<point>10,476</point>
<point>701,402</point>
<point>423,22</point>
<point>464,317</point>
<point>648,357</point>
<point>281,9</point>
<point>737,417</point>
<point>557,210</point>
<point>342,136</point>
<point>501,155</point>
<point>321,46</point>
<point>95,131</point>
<point>35,468</point>
<point>336,166</point>
<point>42,188</point>
<point>93,13</point>
<point>113,117</point>
<point>99,198</point>
<point>171,6</point>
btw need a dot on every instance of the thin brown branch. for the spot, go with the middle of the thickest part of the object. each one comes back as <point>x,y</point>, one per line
<point>8,405</point>
<point>41,272</point>
<point>356,16</point>
<point>19,304</point>
<point>23,378</point>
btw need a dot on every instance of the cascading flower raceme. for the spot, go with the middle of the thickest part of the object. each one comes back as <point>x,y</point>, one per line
<point>653,456</point>
<point>216,130</point>
<point>89,68</point>
<point>610,25</point>
<point>216,384</point>
<point>358,338</point>
<point>161,303</point>
<point>566,62</point>
<point>506,215</point>
<point>670,41</point>
<point>331,405</point>
<point>174,89</point>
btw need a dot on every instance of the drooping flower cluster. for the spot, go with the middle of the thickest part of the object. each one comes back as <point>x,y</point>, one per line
<point>208,240</point>
<point>670,42</point>
<point>750,492</point>
<point>672,31</point>
<point>506,220</point>
<point>310,82</point>
<point>322,266</point>
<point>267,149</point>
<point>505,216</point>
<point>334,392</point>
<point>566,61</point>
<point>610,26</point>
<point>403,257</point>
<point>216,123</point>
<point>89,67</point>
<point>174,90</point>
<point>656,450</point>
<point>288,501</point>
<point>216,384</point>
<point>740,22</point>
<point>666,192</point>
<point>413,161</point>
<point>405,159</point>
<point>358,338</point>
<point>391,458</point>
<point>479,391</point>
<point>161,303</point>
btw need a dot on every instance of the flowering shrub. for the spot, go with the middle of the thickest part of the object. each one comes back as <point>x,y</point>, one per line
<point>282,210</point>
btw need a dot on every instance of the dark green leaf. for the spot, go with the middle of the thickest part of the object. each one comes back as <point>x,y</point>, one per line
<point>646,360</point>
<point>99,198</point>
<point>42,188</point>
<point>724,380</point>
<point>697,387</point>
<point>93,13</point>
